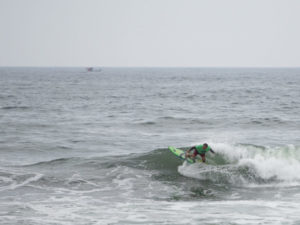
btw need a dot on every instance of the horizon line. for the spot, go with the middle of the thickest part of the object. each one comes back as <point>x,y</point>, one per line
<point>149,67</point>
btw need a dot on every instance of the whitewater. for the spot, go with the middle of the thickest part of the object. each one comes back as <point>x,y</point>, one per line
<point>80,147</point>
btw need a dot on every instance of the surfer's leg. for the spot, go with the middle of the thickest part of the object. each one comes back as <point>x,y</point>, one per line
<point>195,153</point>
<point>203,157</point>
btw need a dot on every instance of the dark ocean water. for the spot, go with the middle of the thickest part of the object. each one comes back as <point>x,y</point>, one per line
<point>81,147</point>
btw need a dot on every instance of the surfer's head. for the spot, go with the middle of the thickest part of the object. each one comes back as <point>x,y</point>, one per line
<point>205,146</point>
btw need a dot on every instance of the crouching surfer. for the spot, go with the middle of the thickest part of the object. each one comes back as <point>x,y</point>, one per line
<point>199,150</point>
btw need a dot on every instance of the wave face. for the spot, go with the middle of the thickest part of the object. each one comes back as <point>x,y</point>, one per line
<point>236,164</point>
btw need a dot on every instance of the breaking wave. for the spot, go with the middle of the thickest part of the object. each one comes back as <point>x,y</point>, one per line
<point>234,165</point>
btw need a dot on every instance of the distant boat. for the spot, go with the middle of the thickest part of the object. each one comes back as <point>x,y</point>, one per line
<point>91,69</point>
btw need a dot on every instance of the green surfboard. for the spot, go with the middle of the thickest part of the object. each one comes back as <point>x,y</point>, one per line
<point>181,154</point>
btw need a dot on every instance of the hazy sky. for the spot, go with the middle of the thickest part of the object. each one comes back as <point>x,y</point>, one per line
<point>150,33</point>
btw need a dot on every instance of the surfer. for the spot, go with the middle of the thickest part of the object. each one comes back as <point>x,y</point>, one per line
<point>199,149</point>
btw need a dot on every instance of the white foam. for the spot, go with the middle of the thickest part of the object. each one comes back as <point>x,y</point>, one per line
<point>14,184</point>
<point>280,163</point>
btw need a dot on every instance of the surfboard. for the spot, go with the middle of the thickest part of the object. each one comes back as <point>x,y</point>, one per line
<point>181,154</point>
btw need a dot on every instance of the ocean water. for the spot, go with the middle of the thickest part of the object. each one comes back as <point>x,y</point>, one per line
<point>80,147</point>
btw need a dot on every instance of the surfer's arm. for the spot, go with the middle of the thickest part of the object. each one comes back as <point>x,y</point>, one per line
<point>192,148</point>
<point>212,151</point>
<point>188,151</point>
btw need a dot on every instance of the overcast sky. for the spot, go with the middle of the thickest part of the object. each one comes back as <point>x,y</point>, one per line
<point>202,33</point>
